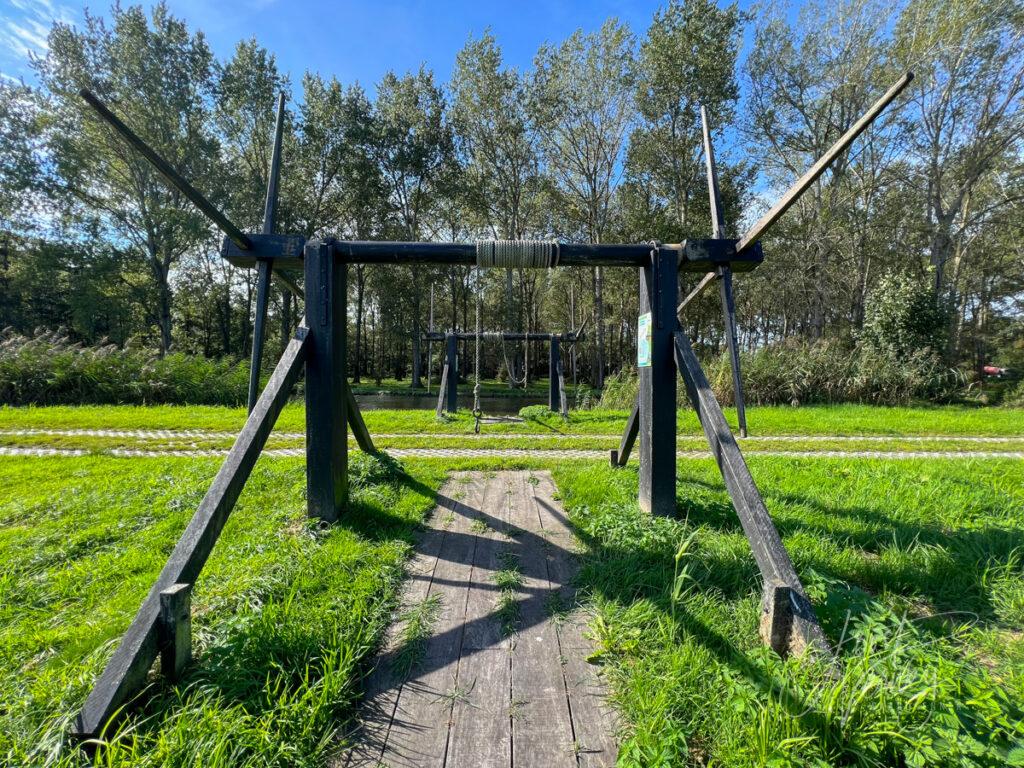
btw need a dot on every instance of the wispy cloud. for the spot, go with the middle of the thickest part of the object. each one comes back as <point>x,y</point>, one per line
<point>24,31</point>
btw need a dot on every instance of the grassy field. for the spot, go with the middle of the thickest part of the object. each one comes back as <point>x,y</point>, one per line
<point>769,420</point>
<point>916,568</point>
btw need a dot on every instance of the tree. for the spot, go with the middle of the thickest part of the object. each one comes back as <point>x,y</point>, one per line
<point>413,148</point>
<point>969,99</point>
<point>159,78</point>
<point>687,60</point>
<point>582,103</point>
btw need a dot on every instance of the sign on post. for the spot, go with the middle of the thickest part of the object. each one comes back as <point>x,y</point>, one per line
<point>643,341</point>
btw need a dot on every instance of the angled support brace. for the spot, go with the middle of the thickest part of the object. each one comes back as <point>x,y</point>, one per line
<point>264,270</point>
<point>788,623</point>
<point>620,457</point>
<point>442,389</point>
<point>355,419</point>
<point>125,674</point>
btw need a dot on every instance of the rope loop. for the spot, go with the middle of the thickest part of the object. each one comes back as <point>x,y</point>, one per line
<point>532,254</point>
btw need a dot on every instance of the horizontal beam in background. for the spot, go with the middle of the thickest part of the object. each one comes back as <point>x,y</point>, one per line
<point>568,338</point>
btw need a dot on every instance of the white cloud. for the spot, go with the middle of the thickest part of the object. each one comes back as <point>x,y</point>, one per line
<point>25,29</point>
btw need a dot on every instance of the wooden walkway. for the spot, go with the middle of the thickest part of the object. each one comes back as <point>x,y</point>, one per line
<point>500,677</point>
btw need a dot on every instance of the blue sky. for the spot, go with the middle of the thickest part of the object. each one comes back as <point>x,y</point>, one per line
<point>352,40</point>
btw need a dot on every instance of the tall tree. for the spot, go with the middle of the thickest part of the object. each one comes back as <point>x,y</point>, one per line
<point>159,77</point>
<point>969,102</point>
<point>582,102</point>
<point>414,147</point>
<point>687,60</point>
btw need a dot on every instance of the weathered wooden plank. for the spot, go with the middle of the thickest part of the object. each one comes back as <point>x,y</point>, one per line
<point>175,630</point>
<point>481,732</point>
<point>384,683</point>
<point>484,627</point>
<point>658,292</point>
<point>125,673</point>
<point>595,723</point>
<point>772,558</point>
<point>326,411</point>
<point>418,735</point>
<point>542,732</point>
<point>555,394</point>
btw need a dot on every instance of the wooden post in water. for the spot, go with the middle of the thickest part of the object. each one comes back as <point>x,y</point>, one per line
<point>326,406</point>
<point>658,297</point>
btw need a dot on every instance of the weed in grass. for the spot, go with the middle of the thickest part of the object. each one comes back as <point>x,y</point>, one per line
<point>517,709</point>
<point>479,526</point>
<point>417,624</point>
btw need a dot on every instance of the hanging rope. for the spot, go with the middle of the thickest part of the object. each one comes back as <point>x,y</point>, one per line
<point>477,413</point>
<point>508,365</point>
<point>536,254</point>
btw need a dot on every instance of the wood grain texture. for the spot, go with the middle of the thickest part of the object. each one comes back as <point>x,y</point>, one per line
<point>487,691</point>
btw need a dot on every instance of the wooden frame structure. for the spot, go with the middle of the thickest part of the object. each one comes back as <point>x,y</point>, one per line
<point>319,348</point>
<point>448,394</point>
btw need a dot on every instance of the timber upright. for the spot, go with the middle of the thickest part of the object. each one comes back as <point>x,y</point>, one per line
<point>160,626</point>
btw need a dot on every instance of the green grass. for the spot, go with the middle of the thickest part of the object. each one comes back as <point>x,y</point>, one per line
<point>915,568</point>
<point>774,420</point>
<point>284,613</point>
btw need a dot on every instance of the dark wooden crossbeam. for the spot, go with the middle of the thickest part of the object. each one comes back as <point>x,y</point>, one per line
<point>788,622</point>
<point>125,674</point>
<point>693,255</point>
<point>567,338</point>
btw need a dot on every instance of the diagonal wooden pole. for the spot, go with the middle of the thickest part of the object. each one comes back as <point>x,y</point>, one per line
<point>125,674</point>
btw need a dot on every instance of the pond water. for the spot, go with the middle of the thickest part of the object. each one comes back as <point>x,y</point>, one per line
<point>495,404</point>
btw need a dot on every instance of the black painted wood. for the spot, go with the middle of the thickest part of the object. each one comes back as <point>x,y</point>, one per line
<point>326,412</point>
<point>175,630</point>
<point>658,295</point>
<point>729,318</point>
<point>790,608</point>
<point>554,377</point>
<point>356,423</point>
<point>621,456</point>
<point>125,673</point>
<point>451,366</point>
<point>265,269</point>
<point>442,389</point>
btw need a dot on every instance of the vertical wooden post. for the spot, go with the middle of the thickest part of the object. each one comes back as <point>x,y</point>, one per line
<point>554,383</point>
<point>452,363</point>
<point>326,412</point>
<point>264,269</point>
<point>658,295</point>
<point>729,317</point>
<point>175,630</point>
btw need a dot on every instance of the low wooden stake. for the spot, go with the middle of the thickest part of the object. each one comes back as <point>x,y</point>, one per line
<point>175,630</point>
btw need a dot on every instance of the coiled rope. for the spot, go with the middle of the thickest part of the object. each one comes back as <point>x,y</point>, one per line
<point>535,254</point>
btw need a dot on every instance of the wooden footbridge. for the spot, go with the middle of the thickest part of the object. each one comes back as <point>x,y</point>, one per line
<point>501,677</point>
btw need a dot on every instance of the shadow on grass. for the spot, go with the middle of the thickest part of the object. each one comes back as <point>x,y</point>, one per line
<point>955,584</point>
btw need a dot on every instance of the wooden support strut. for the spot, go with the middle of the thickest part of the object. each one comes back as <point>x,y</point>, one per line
<point>451,377</point>
<point>621,456</point>
<point>657,398</point>
<point>125,674</point>
<point>788,623</point>
<point>326,404</point>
